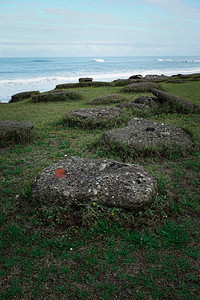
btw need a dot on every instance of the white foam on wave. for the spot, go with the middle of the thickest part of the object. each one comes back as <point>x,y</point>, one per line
<point>12,86</point>
<point>161,59</point>
<point>100,60</point>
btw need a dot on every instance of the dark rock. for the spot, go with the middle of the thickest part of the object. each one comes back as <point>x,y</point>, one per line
<point>77,182</point>
<point>136,77</point>
<point>23,95</point>
<point>108,99</point>
<point>183,104</point>
<point>140,134</point>
<point>140,87</point>
<point>56,96</point>
<point>85,79</point>
<point>15,132</point>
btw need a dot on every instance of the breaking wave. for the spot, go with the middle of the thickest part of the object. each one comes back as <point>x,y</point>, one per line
<point>100,60</point>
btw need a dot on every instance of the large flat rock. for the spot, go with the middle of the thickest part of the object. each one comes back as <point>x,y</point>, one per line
<point>79,181</point>
<point>141,133</point>
<point>91,117</point>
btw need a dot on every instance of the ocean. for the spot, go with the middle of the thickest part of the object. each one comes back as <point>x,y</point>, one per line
<point>43,74</point>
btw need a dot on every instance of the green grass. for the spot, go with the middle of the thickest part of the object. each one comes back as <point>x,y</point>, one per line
<point>98,253</point>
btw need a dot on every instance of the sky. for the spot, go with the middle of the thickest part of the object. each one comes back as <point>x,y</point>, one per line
<point>61,28</point>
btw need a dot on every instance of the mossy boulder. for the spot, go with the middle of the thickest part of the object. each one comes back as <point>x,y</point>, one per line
<point>146,137</point>
<point>92,117</point>
<point>57,96</point>
<point>138,87</point>
<point>180,104</point>
<point>78,182</point>
<point>13,132</point>
<point>23,95</point>
<point>108,99</point>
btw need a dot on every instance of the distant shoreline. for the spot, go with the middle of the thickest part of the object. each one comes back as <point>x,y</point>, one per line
<point>44,73</point>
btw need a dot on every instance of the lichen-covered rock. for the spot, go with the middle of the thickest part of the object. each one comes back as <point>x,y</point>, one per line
<point>23,95</point>
<point>92,117</point>
<point>108,99</point>
<point>57,96</point>
<point>85,79</point>
<point>182,104</point>
<point>15,132</point>
<point>141,134</point>
<point>140,87</point>
<point>77,182</point>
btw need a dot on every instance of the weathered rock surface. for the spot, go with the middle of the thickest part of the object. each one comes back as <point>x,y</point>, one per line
<point>97,114</point>
<point>85,79</point>
<point>141,133</point>
<point>108,99</point>
<point>141,102</point>
<point>79,181</point>
<point>13,131</point>
<point>140,87</point>
<point>23,95</point>
<point>56,96</point>
<point>175,100</point>
<point>156,77</point>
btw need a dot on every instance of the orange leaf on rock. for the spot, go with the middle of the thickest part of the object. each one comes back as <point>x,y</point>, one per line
<point>60,173</point>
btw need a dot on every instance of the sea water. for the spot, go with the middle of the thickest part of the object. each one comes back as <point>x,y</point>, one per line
<point>43,74</point>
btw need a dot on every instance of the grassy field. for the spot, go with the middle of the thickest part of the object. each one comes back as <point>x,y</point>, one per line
<point>98,253</point>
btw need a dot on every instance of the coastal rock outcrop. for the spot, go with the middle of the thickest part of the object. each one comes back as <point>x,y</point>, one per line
<point>138,76</point>
<point>85,79</point>
<point>57,96</point>
<point>141,134</point>
<point>15,132</point>
<point>180,103</point>
<point>23,95</point>
<point>77,182</point>
<point>140,87</point>
<point>92,117</point>
<point>140,102</point>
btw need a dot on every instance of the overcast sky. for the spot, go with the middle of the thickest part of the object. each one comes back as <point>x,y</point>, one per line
<point>99,27</point>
